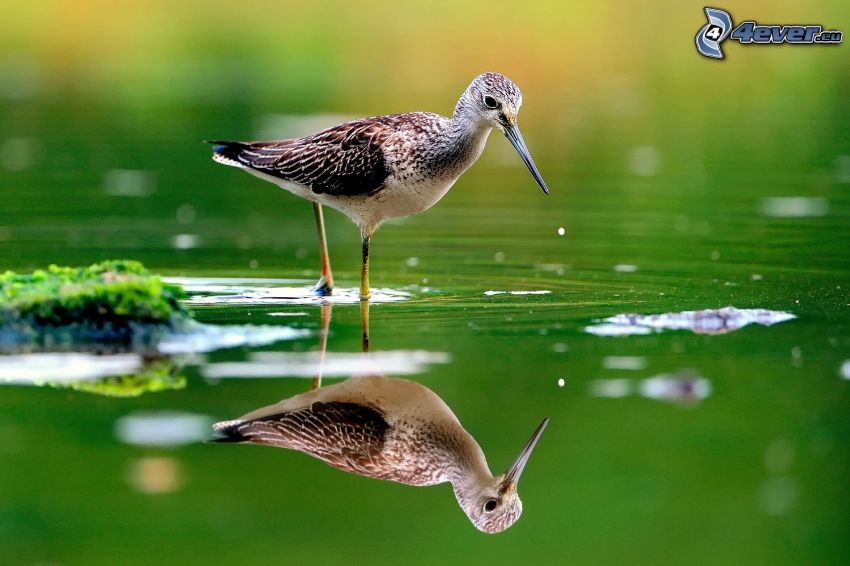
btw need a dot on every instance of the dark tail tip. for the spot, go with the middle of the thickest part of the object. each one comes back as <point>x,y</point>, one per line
<point>228,432</point>
<point>227,440</point>
<point>228,152</point>
<point>220,146</point>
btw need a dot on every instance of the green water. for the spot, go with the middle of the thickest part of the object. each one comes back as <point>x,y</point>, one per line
<point>663,210</point>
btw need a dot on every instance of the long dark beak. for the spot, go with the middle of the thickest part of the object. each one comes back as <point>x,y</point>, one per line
<point>516,470</point>
<point>513,135</point>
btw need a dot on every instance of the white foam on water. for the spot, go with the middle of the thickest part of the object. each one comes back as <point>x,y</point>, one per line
<point>211,337</point>
<point>163,428</point>
<point>617,330</point>
<point>65,367</point>
<point>259,291</point>
<point>708,321</point>
<point>332,364</point>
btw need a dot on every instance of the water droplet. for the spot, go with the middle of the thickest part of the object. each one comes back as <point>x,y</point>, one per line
<point>185,241</point>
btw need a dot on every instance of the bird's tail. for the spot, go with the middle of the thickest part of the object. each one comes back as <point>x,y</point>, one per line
<point>228,432</point>
<point>227,152</point>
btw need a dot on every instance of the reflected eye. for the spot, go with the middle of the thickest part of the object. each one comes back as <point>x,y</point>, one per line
<point>490,102</point>
<point>490,505</point>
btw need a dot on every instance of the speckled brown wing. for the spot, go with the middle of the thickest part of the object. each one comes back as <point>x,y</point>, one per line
<point>343,160</point>
<point>348,436</point>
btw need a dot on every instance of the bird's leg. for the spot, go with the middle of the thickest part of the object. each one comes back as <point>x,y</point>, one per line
<point>364,271</point>
<point>364,294</point>
<point>364,324</point>
<point>323,343</point>
<point>325,285</point>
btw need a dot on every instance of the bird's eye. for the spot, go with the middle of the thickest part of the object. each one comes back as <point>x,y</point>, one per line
<point>490,102</point>
<point>490,505</point>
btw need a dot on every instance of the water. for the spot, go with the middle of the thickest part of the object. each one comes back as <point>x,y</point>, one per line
<point>670,446</point>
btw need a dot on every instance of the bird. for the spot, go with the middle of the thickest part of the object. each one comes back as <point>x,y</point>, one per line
<point>390,429</point>
<point>383,167</point>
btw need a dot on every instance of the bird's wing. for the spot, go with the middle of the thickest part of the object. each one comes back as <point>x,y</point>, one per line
<point>349,436</point>
<point>347,159</point>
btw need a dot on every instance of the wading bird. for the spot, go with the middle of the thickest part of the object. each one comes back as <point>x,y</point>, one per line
<point>387,166</point>
<point>390,429</point>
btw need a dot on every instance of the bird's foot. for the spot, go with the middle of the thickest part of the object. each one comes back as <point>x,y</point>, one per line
<point>323,287</point>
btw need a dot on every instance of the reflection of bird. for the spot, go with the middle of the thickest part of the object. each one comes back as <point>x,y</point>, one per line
<point>390,429</point>
<point>387,166</point>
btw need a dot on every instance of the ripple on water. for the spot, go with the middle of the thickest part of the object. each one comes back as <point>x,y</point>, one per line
<point>537,292</point>
<point>256,291</point>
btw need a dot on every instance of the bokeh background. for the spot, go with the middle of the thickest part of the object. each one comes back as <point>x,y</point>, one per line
<point>680,183</point>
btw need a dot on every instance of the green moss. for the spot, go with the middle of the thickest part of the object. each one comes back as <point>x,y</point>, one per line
<point>159,375</point>
<point>111,300</point>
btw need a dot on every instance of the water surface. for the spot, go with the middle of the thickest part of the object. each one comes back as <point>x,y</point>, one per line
<point>669,446</point>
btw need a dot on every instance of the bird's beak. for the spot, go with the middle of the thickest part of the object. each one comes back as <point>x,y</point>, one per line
<point>515,137</point>
<point>512,477</point>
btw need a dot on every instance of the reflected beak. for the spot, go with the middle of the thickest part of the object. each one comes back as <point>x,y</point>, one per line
<point>512,477</point>
<point>513,135</point>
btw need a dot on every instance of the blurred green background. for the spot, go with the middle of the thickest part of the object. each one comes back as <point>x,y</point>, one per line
<point>670,174</point>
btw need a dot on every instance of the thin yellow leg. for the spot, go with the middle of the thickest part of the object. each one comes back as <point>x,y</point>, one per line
<point>364,271</point>
<point>323,343</point>
<point>325,284</point>
<point>364,324</point>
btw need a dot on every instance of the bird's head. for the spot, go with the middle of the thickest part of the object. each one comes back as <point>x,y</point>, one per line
<point>495,505</point>
<point>495,100</point>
